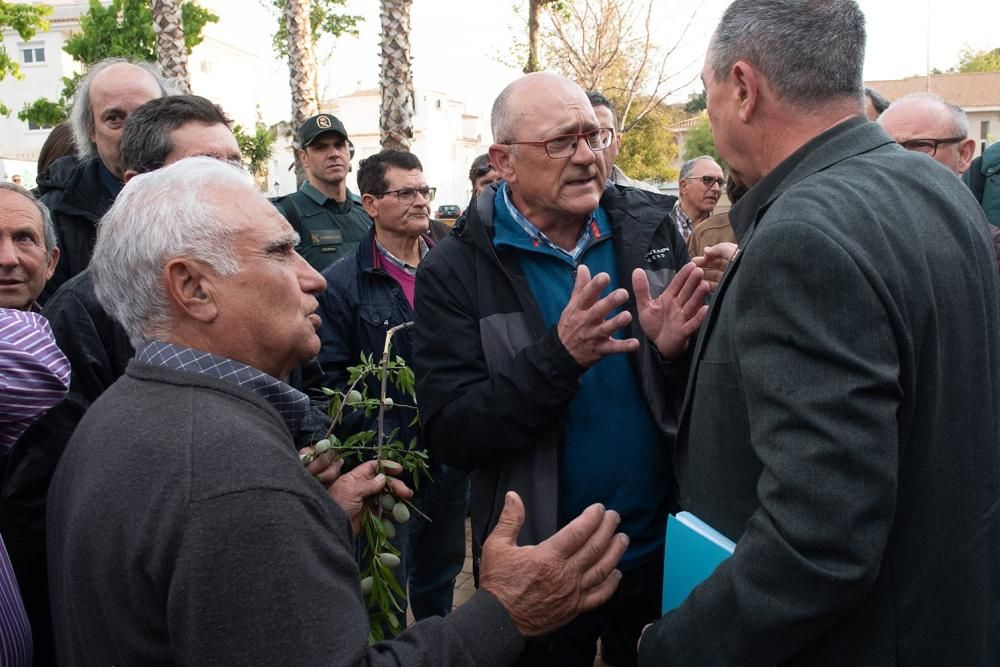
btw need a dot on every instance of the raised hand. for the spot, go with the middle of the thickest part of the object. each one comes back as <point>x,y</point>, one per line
<point>545,586</point>
<point>584,327</point>
<point>670,319</point>
<point>714,261</point>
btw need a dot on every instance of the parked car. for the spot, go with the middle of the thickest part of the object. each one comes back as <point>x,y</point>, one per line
<point>448,212</point>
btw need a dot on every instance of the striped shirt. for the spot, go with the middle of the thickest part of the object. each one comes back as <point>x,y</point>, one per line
<point>34,377</point>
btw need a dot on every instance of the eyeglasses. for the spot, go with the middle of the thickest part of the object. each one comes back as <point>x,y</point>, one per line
<point>564,146</point>
<point>928,146</point>
<point>708,181</point>
<point>408,195</point>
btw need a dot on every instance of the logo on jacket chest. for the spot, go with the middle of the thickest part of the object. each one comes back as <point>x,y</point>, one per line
<point>657,256</point>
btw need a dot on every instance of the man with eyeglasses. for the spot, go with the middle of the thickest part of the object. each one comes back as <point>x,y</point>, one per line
<point>701,182</point>
<point>927,123</point>
<point>532,370</point>
<point>328,217</point>
<point>366,294</point>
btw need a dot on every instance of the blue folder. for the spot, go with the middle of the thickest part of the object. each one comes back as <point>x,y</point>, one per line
<point>692,551</point>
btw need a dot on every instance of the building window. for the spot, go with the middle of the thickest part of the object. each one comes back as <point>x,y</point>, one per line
<point>34,126</point>
<point>984,130</point>
<point>32,55</point>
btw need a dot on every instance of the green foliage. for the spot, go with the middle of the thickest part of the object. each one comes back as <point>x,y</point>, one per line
<point>699,142</point>
<point>324,19</point>
<point>382,591</point>
<point>257,147</point>
<point>697,103</point>
<point>123,29</point>
<point>979,61</point>
<point>26,20</point>
<point>649,149</point>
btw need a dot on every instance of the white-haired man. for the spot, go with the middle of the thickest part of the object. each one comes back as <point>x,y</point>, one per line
<point>929,124</point>
<point>217,546</point>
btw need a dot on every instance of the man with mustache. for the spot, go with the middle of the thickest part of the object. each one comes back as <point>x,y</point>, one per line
<point>329,218</point>
<point>520,315</point>
<point>701,181</point>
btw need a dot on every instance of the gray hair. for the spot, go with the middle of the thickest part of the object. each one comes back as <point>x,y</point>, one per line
<point>48,228</point>
<point>501,118</point>
<point>959,120</point>
<point>811,51</point>
<point>170,213</point>
<point>688,167</point>
<point>81,116</point>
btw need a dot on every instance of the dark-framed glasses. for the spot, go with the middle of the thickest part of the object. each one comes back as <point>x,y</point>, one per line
<point>564,146</point>
<point>709,181</point>
<point>408,195</point>
<point>928,146</point>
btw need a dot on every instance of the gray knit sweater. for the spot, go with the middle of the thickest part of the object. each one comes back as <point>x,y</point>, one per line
<point>182,529</point>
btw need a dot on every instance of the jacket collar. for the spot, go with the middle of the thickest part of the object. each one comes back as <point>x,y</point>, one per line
<point>368,256</point>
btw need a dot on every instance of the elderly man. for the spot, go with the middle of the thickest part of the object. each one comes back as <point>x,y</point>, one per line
<point>700,182</point>
<point>533,375</point>
<point>218,547</point>
<point>79,189</point>
<point>926,123</point>
<point>28,251</point>
<point>327,216</point>
<point>841,424</point>
<point>161,131</point>
<point>365,296</point>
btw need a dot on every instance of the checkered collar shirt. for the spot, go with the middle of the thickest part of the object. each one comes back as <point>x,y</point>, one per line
<point>539,238</point>
<point>402,264</point>
<point>289,402</point>
<point>684,223</point>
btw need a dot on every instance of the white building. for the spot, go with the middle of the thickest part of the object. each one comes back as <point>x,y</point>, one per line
<point>447,137</point>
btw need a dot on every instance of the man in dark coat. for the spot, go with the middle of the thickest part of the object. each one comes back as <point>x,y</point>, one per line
<point>79,189</point>
<point>841,424</point>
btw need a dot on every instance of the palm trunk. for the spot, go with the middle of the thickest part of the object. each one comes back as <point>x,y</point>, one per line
<point>302,70</point>
<point>171,53</point>
<point>396,113</point>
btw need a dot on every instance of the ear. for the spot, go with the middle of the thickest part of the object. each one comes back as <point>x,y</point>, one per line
<point>966,149</point>
<point>129,174</point>
<point>370,203</point>
<point>501,160</point>
<point>53,261</point>
<point>747,84</point>
<point>191,289</point>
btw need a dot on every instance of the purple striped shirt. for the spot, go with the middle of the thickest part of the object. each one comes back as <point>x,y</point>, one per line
<point>34,377</point>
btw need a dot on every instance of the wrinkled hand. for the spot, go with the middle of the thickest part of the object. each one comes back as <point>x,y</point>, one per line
<point>670,319</point>
<point>584,328</point>
<point>545,586</point>
<point>351,490</point>
<point>714,262</point>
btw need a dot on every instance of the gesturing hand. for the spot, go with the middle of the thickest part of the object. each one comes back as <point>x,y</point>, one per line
<point>584,328</point>
<point>670,319</point>
<point>714,261</point>
<point>545,586</point>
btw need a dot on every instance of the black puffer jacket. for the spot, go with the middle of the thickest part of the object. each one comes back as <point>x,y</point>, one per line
<point>77,198</point>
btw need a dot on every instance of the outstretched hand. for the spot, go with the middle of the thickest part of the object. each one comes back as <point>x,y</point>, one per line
<point>545,586</point>
<point>714,260</point>
<point>670,319</point>
<point>584,327</point>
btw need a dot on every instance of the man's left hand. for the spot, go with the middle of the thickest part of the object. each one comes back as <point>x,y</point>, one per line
<point>670,319</point>
<point>351,490</point>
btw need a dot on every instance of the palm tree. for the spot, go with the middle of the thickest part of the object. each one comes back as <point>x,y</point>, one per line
<point>171,52</point>
<point>301,69</point>
<point>396,112</point>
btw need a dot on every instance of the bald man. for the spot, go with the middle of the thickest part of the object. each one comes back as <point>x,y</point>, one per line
<point>79,189</point>
<point>532,370</point>
<point>927,123</point>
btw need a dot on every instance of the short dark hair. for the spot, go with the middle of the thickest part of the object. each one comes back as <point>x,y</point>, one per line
<point>146,139</point>
<point>371,171</point>
<point>599,100</point>
<point>480,166</point>
<point>879,102</point>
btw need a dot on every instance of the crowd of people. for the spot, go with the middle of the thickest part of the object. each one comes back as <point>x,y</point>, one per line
<point>814,374</point>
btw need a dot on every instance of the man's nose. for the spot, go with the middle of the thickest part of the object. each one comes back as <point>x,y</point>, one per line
<point>8,253</point>
<point>583,153</point>
<point>310,280</point>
